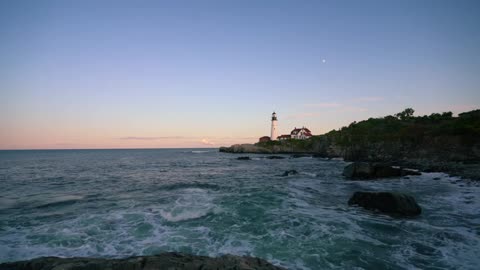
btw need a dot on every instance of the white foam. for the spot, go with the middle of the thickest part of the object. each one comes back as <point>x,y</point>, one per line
<point>235,246</point>
<point>192,203</point>
<point>183,215</point>
<point>309,174</point>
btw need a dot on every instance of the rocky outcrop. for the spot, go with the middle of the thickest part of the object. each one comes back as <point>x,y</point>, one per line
<point>365,170</point>
<point>172,261</point>
<point>300,155</point>
<point>318,146</point>
<point>274,157</point>
<point>245,148</point>
<point>289,172</point>
<point>387,202</point>
<point>244,158</point>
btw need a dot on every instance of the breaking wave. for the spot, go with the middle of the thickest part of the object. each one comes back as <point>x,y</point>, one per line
<point>191,203</point>
<point>209,205</point>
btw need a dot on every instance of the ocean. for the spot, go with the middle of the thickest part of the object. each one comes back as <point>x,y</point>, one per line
<point>119,203</point>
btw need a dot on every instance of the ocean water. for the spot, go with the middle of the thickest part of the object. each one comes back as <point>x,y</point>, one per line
<point>117,203</point>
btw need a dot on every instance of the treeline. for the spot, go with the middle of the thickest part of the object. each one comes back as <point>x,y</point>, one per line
<point>438,136</point>
<point>407,128</point>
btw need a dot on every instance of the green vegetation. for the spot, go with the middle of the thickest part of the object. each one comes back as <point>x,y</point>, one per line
<point>436,142</point>
<point>300,144</point>
<point>406,128</point>
<point>439,136</point>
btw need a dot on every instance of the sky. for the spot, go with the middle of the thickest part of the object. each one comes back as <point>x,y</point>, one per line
<point>154,74</point>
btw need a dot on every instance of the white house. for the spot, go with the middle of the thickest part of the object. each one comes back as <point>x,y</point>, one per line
<point>301,133</point>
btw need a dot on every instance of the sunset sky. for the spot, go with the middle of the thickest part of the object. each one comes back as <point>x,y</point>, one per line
<point>128,74</point>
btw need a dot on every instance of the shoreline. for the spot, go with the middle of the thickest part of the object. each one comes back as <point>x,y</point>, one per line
<point>466,171</point>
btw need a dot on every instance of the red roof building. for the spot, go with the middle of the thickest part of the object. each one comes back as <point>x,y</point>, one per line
<point>264,139</point>
<point>284,137</point>
<point>301,133</point>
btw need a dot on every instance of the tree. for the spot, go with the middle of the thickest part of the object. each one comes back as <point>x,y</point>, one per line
<point>447,115</point>
<point>405,114</point>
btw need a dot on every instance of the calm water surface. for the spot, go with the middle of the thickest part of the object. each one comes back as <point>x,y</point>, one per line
<point>117,203</point>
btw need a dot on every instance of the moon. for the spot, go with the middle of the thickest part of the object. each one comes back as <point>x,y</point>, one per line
<point>324,61</point>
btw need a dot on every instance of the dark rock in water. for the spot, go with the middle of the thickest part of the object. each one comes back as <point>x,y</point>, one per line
<point>410,172</point>
<point>289,172</point>
<point>274,157</point>
<point>387,202</point>
<point>365,170</point>
<point>436,178</point>
<point>244,158</point>
<point>162,261</point>
<point>384,171</point>
<point>359,170</point>
<point>300,155</point>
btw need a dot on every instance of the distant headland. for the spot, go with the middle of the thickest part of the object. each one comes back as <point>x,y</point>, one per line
<point>437,142</point>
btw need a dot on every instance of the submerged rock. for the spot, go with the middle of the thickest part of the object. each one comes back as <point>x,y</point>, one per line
<point>274,157</point>
<point>162,261</point>
<point>365,170</point>
<point>289,172</point>
<point>387,202</point>
<point>244,158</point>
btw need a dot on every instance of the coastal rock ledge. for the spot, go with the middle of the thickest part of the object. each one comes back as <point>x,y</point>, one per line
<point>365,170</point>
<point>171,261</point>
<point>245,148</point>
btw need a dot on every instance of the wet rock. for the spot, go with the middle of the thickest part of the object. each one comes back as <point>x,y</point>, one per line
<point>245,148</point>
<point>358,170</point>
<point>274,157</point>
<point>365,170</point>
<point>436,178</point>
<point>384,171</point>
<point>289,172</point>
<point>387,202</point>
<point>300,155</point>
<point>162,261</point>
<point>244,158</point>
<point>409,172</point>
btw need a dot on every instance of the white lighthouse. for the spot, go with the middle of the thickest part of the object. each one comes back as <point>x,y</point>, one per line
<point>273,134</point>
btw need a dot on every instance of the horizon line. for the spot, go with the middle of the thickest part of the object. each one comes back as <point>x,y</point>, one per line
<point>133,148</point>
